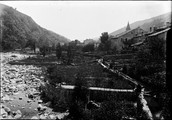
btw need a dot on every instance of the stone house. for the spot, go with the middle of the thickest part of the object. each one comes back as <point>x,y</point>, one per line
<point>162,34</point>
<point>154,32</point>
<point>137,34</point>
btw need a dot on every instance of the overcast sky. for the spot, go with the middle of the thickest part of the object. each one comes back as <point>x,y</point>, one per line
<point>88,19</point>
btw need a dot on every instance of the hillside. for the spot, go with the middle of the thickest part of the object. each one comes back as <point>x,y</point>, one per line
<point>19,30</point>
<point>146,24</point>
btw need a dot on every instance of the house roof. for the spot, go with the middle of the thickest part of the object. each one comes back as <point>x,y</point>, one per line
<point>160,32</point>
<point>123,33</point>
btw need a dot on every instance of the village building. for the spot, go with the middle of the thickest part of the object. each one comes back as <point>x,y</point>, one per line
<point>159,33</point>
<point>136,34</point>
<point>155,32</point>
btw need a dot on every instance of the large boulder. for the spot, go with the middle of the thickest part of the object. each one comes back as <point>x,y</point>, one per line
<point>40,101</point>
<point>52,116</point>
<point>18,114</point>
<point>42,117</point>
<point>7,109</point>
<point>3,113</point>
<point>6,98</point>
<point>41,107</point>
<point>34,117</point>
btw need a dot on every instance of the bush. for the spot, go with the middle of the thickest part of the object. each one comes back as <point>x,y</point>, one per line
<point>149,59</point>
<point>114,110</point>
<point>88,48</point>
<point>157,80</point>
<point>58,51</point>
<point>53,76</point>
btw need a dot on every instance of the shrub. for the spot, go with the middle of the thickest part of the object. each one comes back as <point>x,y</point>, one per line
<point>114,110</point>
<point>88,48</point>
<point>53,76</point>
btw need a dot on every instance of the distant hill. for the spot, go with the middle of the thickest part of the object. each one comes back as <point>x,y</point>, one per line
<point>146,24</point>
<point>20,29</point>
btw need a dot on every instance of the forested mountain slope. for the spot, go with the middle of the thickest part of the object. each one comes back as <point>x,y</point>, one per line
<point>19,30</point>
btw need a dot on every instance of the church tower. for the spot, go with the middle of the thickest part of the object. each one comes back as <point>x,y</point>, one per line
<point>128,27</point>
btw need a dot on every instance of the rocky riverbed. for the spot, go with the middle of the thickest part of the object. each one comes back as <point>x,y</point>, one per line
<point>19,91</point>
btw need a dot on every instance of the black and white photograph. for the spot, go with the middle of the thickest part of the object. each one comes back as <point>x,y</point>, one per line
<point>85,60</point>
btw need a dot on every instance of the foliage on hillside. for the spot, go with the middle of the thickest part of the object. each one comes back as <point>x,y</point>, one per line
<point>88,48</point>
<point>149,63</point>
<point>20,31</point>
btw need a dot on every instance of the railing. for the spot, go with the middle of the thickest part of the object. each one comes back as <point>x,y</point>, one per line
<point>117,72</point>
<point>70,87</point>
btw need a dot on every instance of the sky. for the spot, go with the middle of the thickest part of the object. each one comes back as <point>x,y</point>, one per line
<point>88,19</point>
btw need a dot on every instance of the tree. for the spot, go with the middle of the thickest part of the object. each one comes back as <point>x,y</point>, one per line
<point>114,50</point>
<point>157,48</point>
<point>149,58</point>
<point>88,48</point>
<point>58,51</point>
<point>31,42</point>
<point>53,47</point>
<point>69,55</point>
<point>43,50</point>
<point>55,77</point>
<point>152,52</point>
<point>104,38</point>
<point>64,47</point>
<point>105,42</point>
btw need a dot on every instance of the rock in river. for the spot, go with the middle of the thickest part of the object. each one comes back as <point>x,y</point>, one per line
<point>18,114</point>
<point>34,117</point>
<point>42,117</point>
<point>7,109</point>
<point>41,108</point>
<point>39,101</point>
<point>52,116</point>
<point>6,98</point>
<point>3,113</point>
<point>20,98</point>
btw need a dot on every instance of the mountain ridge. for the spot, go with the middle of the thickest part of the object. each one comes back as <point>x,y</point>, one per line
<point>19,28</point>
<point>145,24</point>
